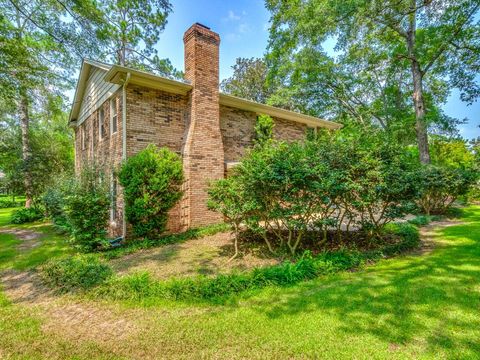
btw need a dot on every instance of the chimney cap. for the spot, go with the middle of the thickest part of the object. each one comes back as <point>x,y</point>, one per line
<point>204,26</point>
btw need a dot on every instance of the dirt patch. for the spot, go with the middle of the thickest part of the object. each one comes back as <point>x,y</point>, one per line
<point>29,239</point>
<point>428,234</point>
<point>24,287</point>
<point>64,315</point>
<point>205,256</point>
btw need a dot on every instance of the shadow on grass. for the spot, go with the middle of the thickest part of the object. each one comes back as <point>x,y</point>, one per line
<point>431,300</point>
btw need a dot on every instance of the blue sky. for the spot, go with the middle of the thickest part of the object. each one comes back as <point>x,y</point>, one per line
<point>243,29</point>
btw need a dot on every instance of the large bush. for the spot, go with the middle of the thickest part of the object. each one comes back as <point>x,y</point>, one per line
<point>26,215</point>
<point>438,187</point>
<point>151,181</point>
<point>283,190</point>
<point>87,208</point>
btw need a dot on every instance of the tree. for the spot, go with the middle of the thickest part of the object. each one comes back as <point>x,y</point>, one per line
<point>41,41</point>
<point>385,51</point>
<point>131,29</point>
<point>51,146</point>
<point>248,80</point>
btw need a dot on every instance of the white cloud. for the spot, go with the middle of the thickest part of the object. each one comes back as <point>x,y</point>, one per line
<point>232,16</point>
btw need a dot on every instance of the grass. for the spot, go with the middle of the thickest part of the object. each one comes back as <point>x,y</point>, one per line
<point>51,244</point>
<point>414,306</point>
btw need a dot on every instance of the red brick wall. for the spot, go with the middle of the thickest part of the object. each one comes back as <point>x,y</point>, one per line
<point>238,131</point>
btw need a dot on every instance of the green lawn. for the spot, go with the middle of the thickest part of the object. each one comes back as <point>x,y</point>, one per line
<point>416,306</point>
<point>51,244</point>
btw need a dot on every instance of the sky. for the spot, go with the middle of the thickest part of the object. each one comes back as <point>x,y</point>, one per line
<point>243,29</point>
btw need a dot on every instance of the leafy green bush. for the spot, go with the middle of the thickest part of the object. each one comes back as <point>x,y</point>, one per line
<point>263,129</point>
<point>438,187</point>
<point>8,203</point>
<point>25,215</point>
<point>54,200</point>
<point>75,273</point>
<point>151,183</point>
<point>87,209</point>
<point>326,183</point>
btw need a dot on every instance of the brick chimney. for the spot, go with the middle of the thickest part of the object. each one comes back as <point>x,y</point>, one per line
<point>203,155</point>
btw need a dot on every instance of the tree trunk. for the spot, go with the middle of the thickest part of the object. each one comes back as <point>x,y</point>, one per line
<point>418,101</point>
<point>26,151</point>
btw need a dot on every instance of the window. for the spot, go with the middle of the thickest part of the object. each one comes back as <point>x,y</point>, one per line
<point>113,193</point>
<point>102,132</point>
<point>113,116</point>
<point>83,137</point>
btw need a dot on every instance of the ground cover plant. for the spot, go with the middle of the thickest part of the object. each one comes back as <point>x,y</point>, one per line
<point>76,274</point>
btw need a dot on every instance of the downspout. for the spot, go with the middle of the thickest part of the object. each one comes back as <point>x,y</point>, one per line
<point>124,141</point>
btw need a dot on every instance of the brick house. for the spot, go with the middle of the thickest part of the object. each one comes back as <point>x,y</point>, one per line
<point>118,111</point>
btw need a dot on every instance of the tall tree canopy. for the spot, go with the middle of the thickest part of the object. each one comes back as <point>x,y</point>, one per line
<point>131,29</point>
<point>41,40</point>
<point>395,61</point>
<point>41,45</point>
<point>248,80</point>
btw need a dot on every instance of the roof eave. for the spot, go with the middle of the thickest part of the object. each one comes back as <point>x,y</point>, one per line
<point>233,101</point>
<point>117,75</point>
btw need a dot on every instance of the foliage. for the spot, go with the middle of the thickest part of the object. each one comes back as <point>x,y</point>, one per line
<point>249,80</point>
<point>142,286</point>
<point>54,201</point>
<point>87,208</point>
<point>263,129</point>
<point>391,61</point>
<point>51,147</point>
<point>285,189</point>
<point>26,215</point>
<point>9,202</point>
<point>151,183</point>
<point>453,153</point>
<point>130,29</point>
<point>438,187</point>
<point>80,272</point>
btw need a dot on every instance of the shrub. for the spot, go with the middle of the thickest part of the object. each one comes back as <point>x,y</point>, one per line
<point>326,183</point>
<point>26,215</point>
<point>151,183</point>
<point>87,209</point>
<point>263,129</point>
<point>438,187</point>
<point>75,273</point>
<point>54,200</point>
<point>8,203</point>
